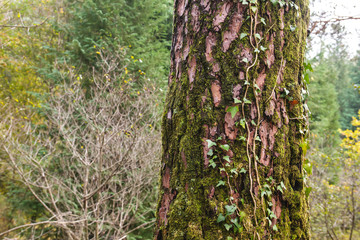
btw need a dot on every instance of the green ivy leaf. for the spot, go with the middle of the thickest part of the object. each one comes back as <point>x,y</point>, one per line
<point>227,158</point>
<point>257,36</point>
<point>220,218</point>
<point>282,185</point>
<point>275,228</point>
<point>242,170</point>
<point>227,226</point>
<point>256,50</point>
<point>254,9</point>
<point>212,163</point>
<point>242,138</point>
<point>292,28</point>
<point>263,193</point>
<point>237,100</point>
<point>245,2</point>
<point>307,78</point>
<point>225,147</point>
<point>233,110</point>
<point>230,209</point>
<point>210,143</point>
<point>210,152</point>
<point>263,21</point>
<point>247,101</point>
<point>233,171</point>
<point>245,60</point>
<point>220,183</point>
<point>242,35</point>
<point>242,122</point>
<point>263,48</point>
<point>235,221</point>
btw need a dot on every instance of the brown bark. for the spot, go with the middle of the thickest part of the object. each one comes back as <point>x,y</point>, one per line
<point>234,123</point>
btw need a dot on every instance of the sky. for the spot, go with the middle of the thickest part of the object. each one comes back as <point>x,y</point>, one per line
<point>334,8</point>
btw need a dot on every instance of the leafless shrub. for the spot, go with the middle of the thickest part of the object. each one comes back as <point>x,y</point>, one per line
<point>91,159</point>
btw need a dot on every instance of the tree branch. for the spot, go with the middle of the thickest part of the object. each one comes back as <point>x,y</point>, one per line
<point>21,26</point>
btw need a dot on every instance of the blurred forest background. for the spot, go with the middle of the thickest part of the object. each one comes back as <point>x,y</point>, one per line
<point>82,85</point>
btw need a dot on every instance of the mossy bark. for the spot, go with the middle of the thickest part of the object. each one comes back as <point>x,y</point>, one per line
<point>213,62</point>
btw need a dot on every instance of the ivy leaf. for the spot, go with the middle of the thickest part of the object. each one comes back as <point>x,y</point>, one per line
<point>225,147</point>
<point>275,228</point>
<point>229,238</point>
<point>220,218</point>
<point>220,183</point>
<point>245,2</point>
<point>237,100</point>
<point>307,78</point>
<point>253,122</point>
<point>242,170</point>
<point>233,110</point>
<point>233,171</point>
<point>262,48</point>
<point>247,101</point>
<point>292,28</point>
<point>257,36</point>
<point>242,35</point>
<point>308,191</point>
<point>230,209</point>
<point>253,8</point>
<point>242,122</point>
<point>263,21</point>
<point>245,60</point>
<point>227,158</point>
<point>282,185</point>
<point>258,138</point>
<point>210,143</point>
<point>263,193</point>
<point>242,138</point>
<point>212,163</point>
<point>280,189</point>
<point>256,50</point>
<point>235,221</point>
<point>227,226</point>
<point>210,152</point>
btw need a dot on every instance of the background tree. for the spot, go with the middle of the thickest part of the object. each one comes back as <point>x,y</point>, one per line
<point>234,122</point>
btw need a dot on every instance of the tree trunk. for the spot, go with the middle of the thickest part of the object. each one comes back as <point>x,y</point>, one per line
<point>234,123</point>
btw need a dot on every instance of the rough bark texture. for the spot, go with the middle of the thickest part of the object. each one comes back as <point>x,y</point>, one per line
<point>208,71</point>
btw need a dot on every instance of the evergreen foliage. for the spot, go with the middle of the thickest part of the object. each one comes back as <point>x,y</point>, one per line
<point>144,27</point>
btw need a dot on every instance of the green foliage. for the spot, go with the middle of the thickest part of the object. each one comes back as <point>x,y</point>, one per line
<point>143,26</point>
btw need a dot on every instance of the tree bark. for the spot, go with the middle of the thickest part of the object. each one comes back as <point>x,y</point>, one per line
<point>235,122</point>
